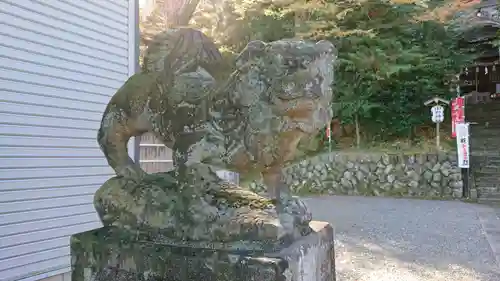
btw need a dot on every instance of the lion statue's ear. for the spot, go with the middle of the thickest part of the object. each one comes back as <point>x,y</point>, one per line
<point>253,49</point>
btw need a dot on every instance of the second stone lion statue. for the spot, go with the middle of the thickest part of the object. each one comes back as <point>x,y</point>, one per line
<point>250,123</point>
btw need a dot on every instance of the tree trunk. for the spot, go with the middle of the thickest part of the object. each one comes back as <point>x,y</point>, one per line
<point>179,12</point>
<point>358,135</point>
<point>162,14</point>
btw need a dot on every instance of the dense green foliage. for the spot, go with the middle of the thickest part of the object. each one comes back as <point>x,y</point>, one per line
<point>388,70</point>
<point>392,58</point>
<point>393,55</point>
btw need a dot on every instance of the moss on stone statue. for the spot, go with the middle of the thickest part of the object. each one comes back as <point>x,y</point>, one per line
<point>112,254</point>
<point>236,198</point>
<point>159,207</point>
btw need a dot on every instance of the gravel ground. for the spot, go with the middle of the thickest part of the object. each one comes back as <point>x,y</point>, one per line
<point>383,239</point>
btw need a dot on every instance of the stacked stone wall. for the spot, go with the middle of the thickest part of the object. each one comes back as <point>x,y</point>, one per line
<point>400,175</point>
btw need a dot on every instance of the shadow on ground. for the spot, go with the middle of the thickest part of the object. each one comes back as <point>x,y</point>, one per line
<point>387,239</point>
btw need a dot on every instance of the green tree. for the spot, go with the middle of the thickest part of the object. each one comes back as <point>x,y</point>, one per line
<point>393,55</point>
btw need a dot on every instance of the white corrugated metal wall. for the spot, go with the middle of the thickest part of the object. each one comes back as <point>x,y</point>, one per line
<point>60,61</point>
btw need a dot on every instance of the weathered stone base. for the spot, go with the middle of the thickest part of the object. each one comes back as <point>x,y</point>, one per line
<point>99,256</point>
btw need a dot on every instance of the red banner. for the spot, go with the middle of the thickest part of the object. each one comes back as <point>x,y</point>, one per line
<point>457,114</point>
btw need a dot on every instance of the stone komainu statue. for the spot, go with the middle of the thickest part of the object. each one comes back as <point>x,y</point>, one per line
<point>250,123</point>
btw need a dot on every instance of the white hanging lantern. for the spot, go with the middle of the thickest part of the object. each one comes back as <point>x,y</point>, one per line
<point>437,114</point>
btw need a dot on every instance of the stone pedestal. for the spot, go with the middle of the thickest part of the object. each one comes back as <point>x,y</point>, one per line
<point>106,255</point>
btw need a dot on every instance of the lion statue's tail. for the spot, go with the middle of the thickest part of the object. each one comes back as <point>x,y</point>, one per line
<point>179,50</point>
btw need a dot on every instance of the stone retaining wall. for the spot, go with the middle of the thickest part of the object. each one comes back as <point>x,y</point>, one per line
<point>423,175</point>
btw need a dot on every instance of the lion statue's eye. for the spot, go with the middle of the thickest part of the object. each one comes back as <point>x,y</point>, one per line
<point>295,64</point>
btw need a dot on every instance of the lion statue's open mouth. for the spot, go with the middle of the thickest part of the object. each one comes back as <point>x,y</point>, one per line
<point>306,91</point>
<point>306,115</point>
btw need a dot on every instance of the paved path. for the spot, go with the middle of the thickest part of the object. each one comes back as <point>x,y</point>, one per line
<point>383,239</point>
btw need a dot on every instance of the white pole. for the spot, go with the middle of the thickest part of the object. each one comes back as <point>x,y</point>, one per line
<point>438,146</point>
